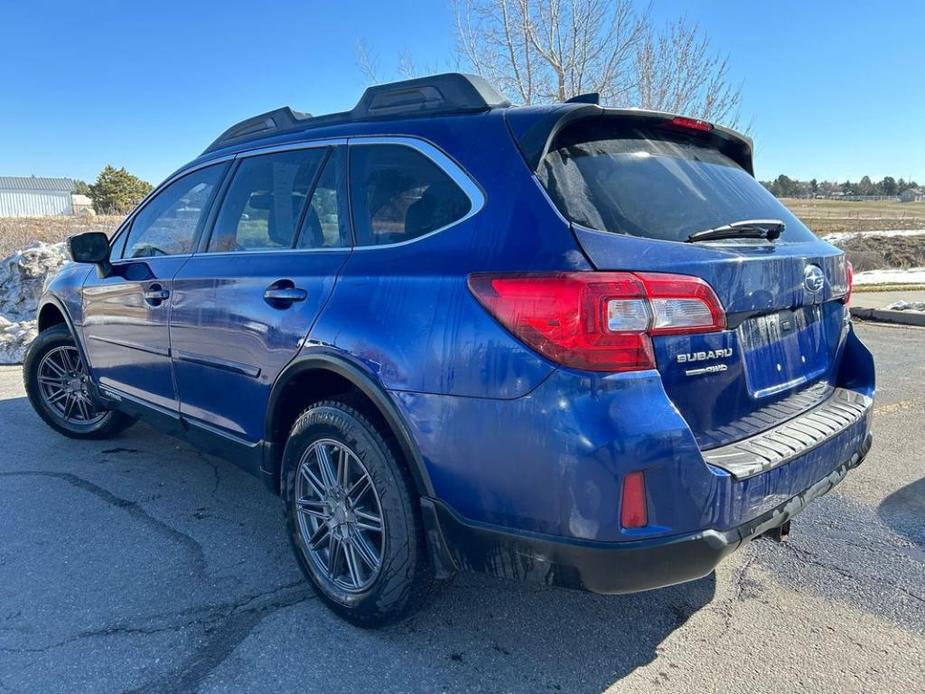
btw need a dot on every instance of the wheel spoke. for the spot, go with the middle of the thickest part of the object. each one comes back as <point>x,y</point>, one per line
<point>316,484</point>
<point>359,488</point>
<point>313,507</point>
<point>343,467</point>
<point>52,363</point>
<point>368,521</point>
<point>67,359</point>
<point>68,404</point>
<point>324,462</point>
<point>334,548</point>
<point>321,532</point>
<point>52,380</point>
<point>351,558</point>
<point>56,396</point>
<point>366,552</point>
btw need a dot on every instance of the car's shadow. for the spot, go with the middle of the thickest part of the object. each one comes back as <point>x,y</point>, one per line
<point>904,511</point>
<point>163,541</point>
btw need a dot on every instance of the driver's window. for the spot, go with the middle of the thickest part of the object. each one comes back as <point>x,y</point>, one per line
<point>167,224</point>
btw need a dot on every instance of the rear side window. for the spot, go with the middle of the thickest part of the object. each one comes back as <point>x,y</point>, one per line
<point>327,219</point>
<point>399,194</point>
<point>653,183</point>
<point>168,223</point>
<point>264,203</point>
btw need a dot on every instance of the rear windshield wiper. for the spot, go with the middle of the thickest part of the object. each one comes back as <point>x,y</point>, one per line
<point>768,229</point>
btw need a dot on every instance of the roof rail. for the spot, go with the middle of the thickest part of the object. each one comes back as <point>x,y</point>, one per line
<point>448,93</point>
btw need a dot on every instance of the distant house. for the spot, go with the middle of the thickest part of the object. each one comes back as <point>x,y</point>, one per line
<point>32,196</point>
<point>912,195</point>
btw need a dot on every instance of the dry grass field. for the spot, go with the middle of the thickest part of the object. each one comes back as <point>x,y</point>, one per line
<point>822,216</point>
<point>18,232</point>
<point>827,216</point>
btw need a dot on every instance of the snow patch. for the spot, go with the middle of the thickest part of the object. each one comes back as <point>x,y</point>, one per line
<point>22,281</point>
<point>839,236</point>
<point>918,306</point>
<point>915,275</point>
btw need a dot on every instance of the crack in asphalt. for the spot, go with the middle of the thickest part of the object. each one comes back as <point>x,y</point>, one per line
<point>215,471</point>
<point>739,581</point>
<point>133,508</point>
<point>225,635</point>
<point>208,617</point>
<point>808,557</point>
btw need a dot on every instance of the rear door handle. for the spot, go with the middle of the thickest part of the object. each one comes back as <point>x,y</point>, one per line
<point>155,294</point>
<point>284,293</point>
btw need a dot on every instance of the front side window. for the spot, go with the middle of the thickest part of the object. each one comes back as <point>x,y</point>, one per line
<point>168,223</point>
<point>264,203</point>
<point>399,194</point>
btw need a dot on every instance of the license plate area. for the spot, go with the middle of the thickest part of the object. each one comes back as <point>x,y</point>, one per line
<point>783,350</point>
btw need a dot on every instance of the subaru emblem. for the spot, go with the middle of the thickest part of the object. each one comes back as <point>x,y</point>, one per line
<point>813,278</point>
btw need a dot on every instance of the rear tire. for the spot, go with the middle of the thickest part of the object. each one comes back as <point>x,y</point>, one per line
<point>58,385</point>
<point>355,528</point>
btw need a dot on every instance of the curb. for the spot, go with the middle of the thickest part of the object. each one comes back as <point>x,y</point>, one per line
<point>886,316</point>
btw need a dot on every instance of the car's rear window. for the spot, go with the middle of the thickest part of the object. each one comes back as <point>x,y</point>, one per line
<point>654,183</point>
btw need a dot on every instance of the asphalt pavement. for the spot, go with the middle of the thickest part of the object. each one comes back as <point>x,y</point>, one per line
<point>137,564</point>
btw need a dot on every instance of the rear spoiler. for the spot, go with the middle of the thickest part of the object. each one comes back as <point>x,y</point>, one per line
<point>535,128</point>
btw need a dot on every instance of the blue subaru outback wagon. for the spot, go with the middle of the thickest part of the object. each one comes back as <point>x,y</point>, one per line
<point>566,343</point>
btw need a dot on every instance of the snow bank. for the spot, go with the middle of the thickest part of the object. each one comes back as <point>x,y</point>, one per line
<point>22,279</point>
<point>918,306</point>
<point>915,275</point>
<point>839,236</point>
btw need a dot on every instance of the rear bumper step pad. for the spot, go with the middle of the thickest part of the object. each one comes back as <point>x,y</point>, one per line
<point>784,442</point>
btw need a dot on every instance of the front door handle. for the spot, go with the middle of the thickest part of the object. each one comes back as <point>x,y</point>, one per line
<point>283,294</point>
<point>156,294</point>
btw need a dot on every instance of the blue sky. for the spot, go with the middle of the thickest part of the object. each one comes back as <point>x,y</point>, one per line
<point>834,89</point>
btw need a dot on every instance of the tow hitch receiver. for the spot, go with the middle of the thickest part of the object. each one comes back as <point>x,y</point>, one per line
<point>780,533</point>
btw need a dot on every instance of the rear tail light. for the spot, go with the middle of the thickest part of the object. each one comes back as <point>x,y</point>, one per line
<point>599,321</point>
<point>633,511</point>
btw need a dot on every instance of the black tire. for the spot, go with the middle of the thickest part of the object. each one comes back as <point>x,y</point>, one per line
<point>104,423</point>
<point>404,581</point>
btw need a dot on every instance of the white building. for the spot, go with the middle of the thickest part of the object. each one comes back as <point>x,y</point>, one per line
<point>31,196</point>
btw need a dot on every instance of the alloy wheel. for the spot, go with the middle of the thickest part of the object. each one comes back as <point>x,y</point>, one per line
<point>340,516</point>
<point>63,384</point>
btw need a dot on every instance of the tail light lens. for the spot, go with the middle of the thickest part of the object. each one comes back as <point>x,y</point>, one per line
<point>599,321</point>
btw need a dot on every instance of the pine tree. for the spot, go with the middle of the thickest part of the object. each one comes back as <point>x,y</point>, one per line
<point>116,191</point>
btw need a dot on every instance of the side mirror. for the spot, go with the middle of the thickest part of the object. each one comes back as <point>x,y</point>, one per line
<point>91,247</point>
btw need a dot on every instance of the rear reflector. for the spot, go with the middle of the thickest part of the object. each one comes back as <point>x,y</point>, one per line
<point>633,512</point>
<point>599,321</point>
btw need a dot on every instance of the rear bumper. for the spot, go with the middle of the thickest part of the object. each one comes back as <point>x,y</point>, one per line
<point>606,567</point>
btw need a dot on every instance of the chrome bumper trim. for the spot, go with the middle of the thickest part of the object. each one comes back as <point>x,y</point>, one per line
<point>782,443</point>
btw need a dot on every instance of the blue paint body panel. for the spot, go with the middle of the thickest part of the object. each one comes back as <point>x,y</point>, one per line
<point>505,436</point>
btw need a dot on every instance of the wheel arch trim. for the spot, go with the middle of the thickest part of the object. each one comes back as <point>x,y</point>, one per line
<point>324,360</point>
<point>54,301</point>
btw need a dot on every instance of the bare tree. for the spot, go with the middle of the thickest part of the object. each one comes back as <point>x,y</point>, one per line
<point>367,61</point>
<point>405,68</point>
<point>550,50</point>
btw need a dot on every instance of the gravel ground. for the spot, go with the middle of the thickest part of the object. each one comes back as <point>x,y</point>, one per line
<point>139,564</point>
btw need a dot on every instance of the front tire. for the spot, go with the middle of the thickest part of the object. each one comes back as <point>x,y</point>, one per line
<point>58,385</point>
<point>352,517</point>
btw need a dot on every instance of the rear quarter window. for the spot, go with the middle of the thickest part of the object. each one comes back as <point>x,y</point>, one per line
<point>399,194</point>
